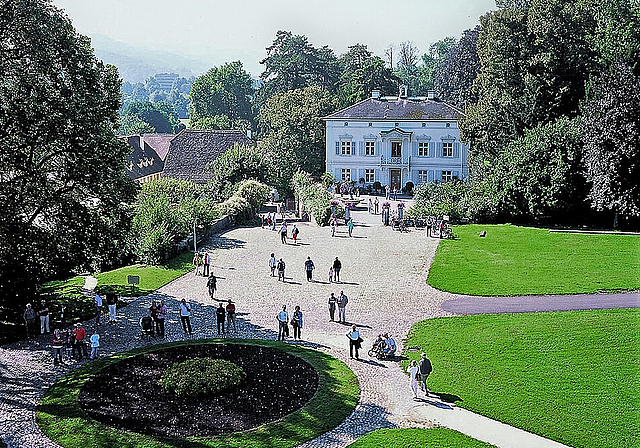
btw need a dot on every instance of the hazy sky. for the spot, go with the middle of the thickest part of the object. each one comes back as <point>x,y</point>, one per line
<point>216,31</point>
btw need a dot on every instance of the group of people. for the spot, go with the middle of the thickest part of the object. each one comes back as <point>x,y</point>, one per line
<point>340,303</point>
<point>74,342</point>
<point>202,262</point>
<point>227,314</point>
<point>283,323</point>
<point>31,316</point>
<point>279,266</point>
<point>418,374</point>
<point>385,345</point>
<point>155,319</point>
<point>374,206</point>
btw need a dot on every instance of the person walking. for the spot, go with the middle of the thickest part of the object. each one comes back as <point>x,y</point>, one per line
<point>333,301</point>
<point>283,233</point>
<point>197,262</point>
<point>337,265</point>
<point>294,234</point>
<point>350,226</point>
<point>333,222</point>
<point>231,316</point>
<point>272,264</point>
<point>185,315</point>
<point>425,369</point>
<point>29,317</point>
<point>355,342</point>
<point>296,323</point>
<point>376,204</point>
<point>212,285</point>
<point>283,326</point>
<point>220,317</point>
<point>112,301</point>
<point>78,344</point>
<point>160,317</point>
<point>57,343</point>
<point>95,343</point>
<point>206,264</point>
<point>43,312</point>
<point>413,378</point>
<point>97,301</point>
<point>342,304</point>
<point>281,266</point>
<point>309,267</point>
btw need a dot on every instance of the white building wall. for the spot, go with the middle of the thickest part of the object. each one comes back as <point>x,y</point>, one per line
<point>434,133</point>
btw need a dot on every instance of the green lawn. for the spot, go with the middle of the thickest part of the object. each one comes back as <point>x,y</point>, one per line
<point>62,420</point>
<point>512,261</point>
<point>417,438</point>
<point>573,377</point>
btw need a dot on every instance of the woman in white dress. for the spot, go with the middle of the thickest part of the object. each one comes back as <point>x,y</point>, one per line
<point>413,380</point>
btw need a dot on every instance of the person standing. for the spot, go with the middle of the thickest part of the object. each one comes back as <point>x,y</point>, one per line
<point>342,304</point>
<point>220,317</point>
<point>350,226</point>
<point>281,266</point>
<point>153,313</point>
<point>333,301</point>
<point>331,274</point>
<point>161,315</point>
<point>425,369</point>
<point>413,378</point>
<point>376,204</point>
<point>29,317</point>
<point>386,192</point>
<point>185,314</point>
<point>78,344</point>
<point>43,312</point>
<point>333,223</point>
<point>211,285</point>
<point>95,343</point>
<point>112,301</point>
<point>231,316</point>
<point>206,264</point>
<point>294,234</point>
<point>337,265</point>
<point>283,233</point>
<point>57,343</point>
<point>354,342</point>
<point>309,267</point>
<point>197,262</point>
<point>283,326</point>
<point>97,301</point>
<point>272,264</point>
<point>370,206</point>
<point>296,323</point>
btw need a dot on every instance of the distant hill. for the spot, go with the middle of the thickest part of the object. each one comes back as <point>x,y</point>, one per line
<point>136,64</point>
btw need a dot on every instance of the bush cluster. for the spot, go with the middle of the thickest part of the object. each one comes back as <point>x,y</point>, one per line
<point>199,376</point>
<point>314,195</point>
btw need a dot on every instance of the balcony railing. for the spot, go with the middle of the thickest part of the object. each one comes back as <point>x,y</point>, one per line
<point>394,161</point>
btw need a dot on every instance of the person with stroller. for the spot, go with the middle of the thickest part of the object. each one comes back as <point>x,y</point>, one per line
<point>390,346</point>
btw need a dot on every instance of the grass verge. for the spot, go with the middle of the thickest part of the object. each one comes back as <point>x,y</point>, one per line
<point>62,420</point>
<point>512,261</point>
<point>570,376</point>
<point>417,438</point>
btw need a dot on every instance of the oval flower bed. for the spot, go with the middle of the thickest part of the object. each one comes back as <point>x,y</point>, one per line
<point>290,395</point>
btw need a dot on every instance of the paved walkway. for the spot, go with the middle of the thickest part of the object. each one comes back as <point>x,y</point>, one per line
<point>384,277</point>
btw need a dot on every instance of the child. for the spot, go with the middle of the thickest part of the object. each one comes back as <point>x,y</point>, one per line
<point>331,274</point>
<point>95,343</point>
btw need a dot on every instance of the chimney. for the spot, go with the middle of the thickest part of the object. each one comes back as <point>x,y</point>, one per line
<point>431,95</point>
<point>375,94</point>
<point>142,141</point>
<point>403,91</point>
<point>248,133</point>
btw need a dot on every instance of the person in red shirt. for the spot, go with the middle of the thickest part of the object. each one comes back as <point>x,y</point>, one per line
<point>231,316</point>
<point>79,346</point>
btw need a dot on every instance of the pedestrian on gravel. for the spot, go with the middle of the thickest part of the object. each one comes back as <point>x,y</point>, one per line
<point>355,342</point>
<point>333,223</point>
<point>342,304</point>
<point>57,343</point>
<point>220,317</point>
<point>296,323</point>
<point>281,266</point>
<point>29,317</point>
<point>206,264</point>
<point>333,301</point>
<point>370,205</point>
<point>185,314</point>
<point>153,313</point>
<point>112,301</point>
<point>97,301</point>
<point>413,380</point>
<point>309,267</point>
<point>294,234</point>
<point>283,325</point>
<point>331,274</point>
<point>69,340</point>
<point>231,316</point>
<point>160,317</point>
<point>197,262</point>
<point>212,285</point>
<point>43,312</point>
<point>425,369</point>
<point>283,233</point>
<point>376,204</point>
<point>79,345</point>
<point>337,265</point>
<point>95,343</point>
<point>272,264</point>
<point>350,226</point>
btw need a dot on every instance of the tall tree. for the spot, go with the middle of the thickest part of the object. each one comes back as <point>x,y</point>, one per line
<point>63,186</point>
<point>431,60</point>
<point>160,116</point>
<point>611,126</point>
<point>224,90</point>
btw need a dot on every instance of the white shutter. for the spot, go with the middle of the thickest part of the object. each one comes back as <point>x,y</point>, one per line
<point>432,149</point>
<point>338,174</point>
<point>337,147</point>
<point>378,150</point>
<point>439,149</point>
<point>353,148</point>
<point>361,148</point>
<point>360,174</point>
<point>456,150</point>
<point>376,175</point>
<point>415,148</point>
<point>430,176</point>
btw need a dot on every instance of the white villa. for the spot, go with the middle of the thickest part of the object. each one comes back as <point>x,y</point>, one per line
<point>395,140</point>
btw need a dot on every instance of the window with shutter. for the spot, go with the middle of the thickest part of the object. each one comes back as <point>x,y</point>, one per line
<point>353,148</point>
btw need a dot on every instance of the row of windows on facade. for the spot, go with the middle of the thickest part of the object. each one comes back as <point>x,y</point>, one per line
<point>424,125</point>
<point>347,148</point>
<point>369,175</point>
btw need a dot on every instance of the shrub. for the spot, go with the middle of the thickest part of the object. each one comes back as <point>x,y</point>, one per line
<point>236,207</point>
<point>202,376</point>
<point>314,196</point>
<point>256,193</point>
<point>408,188</point>
<point>377,186</point>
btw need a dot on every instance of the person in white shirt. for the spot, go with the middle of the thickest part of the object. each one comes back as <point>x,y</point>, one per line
<point>98,303</point>
<point>354,341</point>
<point>185,314</point>
<point>272,264</point>
<point>283,326</point>
<point>283,233</point>
<point>413,379</point>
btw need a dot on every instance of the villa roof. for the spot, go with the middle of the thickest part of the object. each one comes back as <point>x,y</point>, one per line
<point>394,108</point>
<point>159,142</point>
<point>143,160</point>
<point>191,150</point>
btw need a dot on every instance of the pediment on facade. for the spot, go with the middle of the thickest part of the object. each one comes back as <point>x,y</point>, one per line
<point>345,136</point>
<point>396,133</point>
<point>370,136</point>
<point>423,137</point>
<point>447,137</point>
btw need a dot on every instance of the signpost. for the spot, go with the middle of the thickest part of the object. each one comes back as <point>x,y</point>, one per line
<point>133,280</point>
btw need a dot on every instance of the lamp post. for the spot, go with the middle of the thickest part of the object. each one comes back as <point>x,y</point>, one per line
<point>195,248</point>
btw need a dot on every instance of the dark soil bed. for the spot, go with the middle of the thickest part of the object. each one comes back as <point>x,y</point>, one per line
<point>126,394</point>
